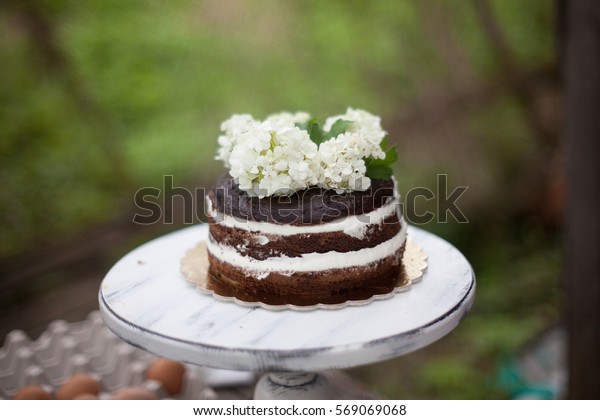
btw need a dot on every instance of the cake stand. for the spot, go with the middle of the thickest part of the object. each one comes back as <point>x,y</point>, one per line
<point>145,300</point>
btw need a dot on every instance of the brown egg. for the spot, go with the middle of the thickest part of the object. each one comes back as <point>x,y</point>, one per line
<point>169,373</point>
<point>134,393</point>
<point>86,396</point>
<point>76,385</point>
<point>32,392</point>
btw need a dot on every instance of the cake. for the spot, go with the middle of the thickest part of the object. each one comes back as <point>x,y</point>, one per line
<point>308,212</point>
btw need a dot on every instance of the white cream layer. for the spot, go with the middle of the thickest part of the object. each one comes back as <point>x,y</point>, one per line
<point>313,261</point>
<point>355,225</point>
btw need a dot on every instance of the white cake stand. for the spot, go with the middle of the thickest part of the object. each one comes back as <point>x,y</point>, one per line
<point>146,301</point>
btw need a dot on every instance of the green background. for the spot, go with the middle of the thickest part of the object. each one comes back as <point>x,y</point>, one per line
<point>100,98</point>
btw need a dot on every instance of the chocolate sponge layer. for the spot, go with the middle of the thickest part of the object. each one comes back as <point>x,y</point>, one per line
<point>311,206</point>
<point>253,244</point>
<point>308,288</point>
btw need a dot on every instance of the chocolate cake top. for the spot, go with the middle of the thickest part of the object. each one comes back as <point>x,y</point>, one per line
<point>307,207</point>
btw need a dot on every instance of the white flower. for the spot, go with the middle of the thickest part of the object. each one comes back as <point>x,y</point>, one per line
<point>367,128</point>
<point>342,164</point>
<point>343,158</point>
<point>231,128</point>
<point>274,158</point>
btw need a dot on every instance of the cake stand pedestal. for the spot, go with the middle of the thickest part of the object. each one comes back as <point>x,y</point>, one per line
<point>145,300</point>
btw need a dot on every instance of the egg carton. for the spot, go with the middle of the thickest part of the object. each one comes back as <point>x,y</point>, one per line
<point>89,347</point>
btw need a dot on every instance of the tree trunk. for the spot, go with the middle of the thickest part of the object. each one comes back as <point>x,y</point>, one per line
<point>581,53</point>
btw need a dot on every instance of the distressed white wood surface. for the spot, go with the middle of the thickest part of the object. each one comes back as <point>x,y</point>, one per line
<point>146,301</point>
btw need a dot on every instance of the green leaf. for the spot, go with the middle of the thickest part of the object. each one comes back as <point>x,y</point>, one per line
<point>314,130</point>
<point>315,133</point>
<point>382,168</point>
<point>391,155</point>
<point>338,127</point>
<point>377,169</point>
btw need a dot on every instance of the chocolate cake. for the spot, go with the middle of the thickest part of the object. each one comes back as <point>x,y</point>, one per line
<point>314,246</point>
<point>308,212</point>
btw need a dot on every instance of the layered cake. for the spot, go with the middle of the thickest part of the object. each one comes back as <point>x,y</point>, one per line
<point>309,211</point>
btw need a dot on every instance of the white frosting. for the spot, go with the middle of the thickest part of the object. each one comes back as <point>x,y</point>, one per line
<point>355,225</point>
<point>210,207</point>
<point>357,231</point>
<point>313,261</point>
<point>262,239</point>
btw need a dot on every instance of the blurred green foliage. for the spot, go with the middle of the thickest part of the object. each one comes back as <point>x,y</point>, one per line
<point>113,95</point>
